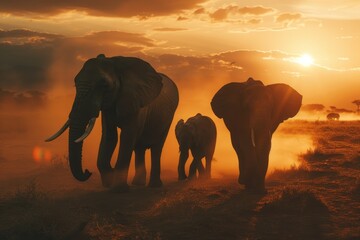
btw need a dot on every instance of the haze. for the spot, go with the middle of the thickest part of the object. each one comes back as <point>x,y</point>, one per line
<point>201,45</point>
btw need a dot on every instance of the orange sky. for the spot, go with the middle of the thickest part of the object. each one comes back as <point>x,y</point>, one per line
<point>44,43</point>
<point>311,45</point>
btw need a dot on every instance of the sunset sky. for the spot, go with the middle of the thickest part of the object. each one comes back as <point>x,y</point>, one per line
<point>311,45</point>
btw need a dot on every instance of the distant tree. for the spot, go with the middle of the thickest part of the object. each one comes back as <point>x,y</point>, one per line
<point>313,107</point>
<point>357,103</point>
<point>334,109</point>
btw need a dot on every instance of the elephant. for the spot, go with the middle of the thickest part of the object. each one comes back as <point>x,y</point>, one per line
<point>333,116</point>
<point>131,96</point>
<point>252,112</point>
<point>197,134</point>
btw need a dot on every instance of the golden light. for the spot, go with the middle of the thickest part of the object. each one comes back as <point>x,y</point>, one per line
<point>41,155</point>
<point>306,60</point>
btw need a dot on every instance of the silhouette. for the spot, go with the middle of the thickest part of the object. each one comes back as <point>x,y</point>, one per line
<point>357,103</point>
<point>333,116</point>
<point>252,112</point>
<point>197,134</point>
<point>132,96</point>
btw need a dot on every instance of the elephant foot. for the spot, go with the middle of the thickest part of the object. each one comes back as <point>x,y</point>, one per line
<point>241,180</point>
<point>155,183</point>
<point>139,181</point>
<point>120,188</point>
<point>182,177</point>
<point>107,179</point>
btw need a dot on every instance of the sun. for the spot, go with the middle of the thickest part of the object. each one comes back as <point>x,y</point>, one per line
<point>306,60</point>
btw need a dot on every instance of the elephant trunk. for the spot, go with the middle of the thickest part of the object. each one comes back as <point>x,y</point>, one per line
<point>75,151</point>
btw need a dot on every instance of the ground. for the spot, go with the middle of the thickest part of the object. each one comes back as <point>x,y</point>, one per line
<point>319,199</point>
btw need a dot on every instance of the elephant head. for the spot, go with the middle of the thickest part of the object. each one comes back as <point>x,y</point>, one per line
<point>252,112</point>
<point>119,84</point>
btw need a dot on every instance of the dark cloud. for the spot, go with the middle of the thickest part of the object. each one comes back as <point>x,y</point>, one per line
<point>122,37</point>
<point>28,99</point>
<point>115,8</point>
<point>223,13</point>
<point>28,64</point>
<point>24,66</point>
<point>20,33</point>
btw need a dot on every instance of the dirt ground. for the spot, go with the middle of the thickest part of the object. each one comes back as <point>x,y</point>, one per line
<point>317,199</point>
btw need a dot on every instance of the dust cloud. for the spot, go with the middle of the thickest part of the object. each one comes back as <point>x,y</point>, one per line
<point>26,130</point>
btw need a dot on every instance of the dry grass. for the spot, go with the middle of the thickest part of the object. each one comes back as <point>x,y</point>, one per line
<point>317,200</point>
<point>295,201</point>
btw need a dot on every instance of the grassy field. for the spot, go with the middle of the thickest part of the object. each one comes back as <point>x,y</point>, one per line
<point>319,199</point>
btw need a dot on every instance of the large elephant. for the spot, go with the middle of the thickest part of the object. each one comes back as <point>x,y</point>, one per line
<point>132,96</point>
<point>252,112</point>
<point>197,134</point>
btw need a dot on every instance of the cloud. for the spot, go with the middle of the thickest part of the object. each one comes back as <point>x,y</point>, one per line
<point>167,29</point>
<point>113,8</point>
<point>256,10</point>
<point>27,64</point>
<point>21,36</point>
<point>288,17</point>
<point>181,18</point>
<point>199,11</point>
<point>223,13</point>
<point>123,37</point>
<point>23,100</point>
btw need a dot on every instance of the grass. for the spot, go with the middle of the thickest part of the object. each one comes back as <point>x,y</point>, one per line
<point>28,196</point>
<point>295,201</point>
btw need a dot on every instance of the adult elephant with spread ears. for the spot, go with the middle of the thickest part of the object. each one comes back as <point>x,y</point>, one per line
<point>197,134</point>
<point>252,112</point>
<point>132,96</point>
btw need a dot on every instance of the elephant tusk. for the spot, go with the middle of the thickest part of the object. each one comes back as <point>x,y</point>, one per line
<point>87,130</point>
<point>62,129</point>
<point>253,137</point>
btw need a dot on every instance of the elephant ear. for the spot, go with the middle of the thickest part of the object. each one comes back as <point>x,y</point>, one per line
<point>230,97</point>
<point>287,103</point>
<point>178,128</point>
<point>226,99</point>
<point>139,82</point>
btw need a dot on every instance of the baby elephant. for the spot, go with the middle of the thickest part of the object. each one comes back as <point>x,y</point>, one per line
<point>198,134</point>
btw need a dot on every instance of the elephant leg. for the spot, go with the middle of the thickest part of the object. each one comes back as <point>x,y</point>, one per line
<point>235,141</point>
<point>184,155</point>
<point>201,169</point>
<point>196,164</point>
<point>108,143</point>
<point>155,180</point>
<point>140,170</point>
<point>208,160</point>
<point>262,167</point>
<point>127,142</point>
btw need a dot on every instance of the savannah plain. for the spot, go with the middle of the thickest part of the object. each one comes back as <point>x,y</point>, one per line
<point>313,188</point>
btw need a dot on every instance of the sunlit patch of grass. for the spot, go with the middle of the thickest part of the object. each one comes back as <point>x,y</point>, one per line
<point>102,229</point>
<point>316,154</point>
<point>293,172</point>
<point>295,201</point>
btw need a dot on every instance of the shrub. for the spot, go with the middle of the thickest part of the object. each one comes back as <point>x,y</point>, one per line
<point>295,201</point>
